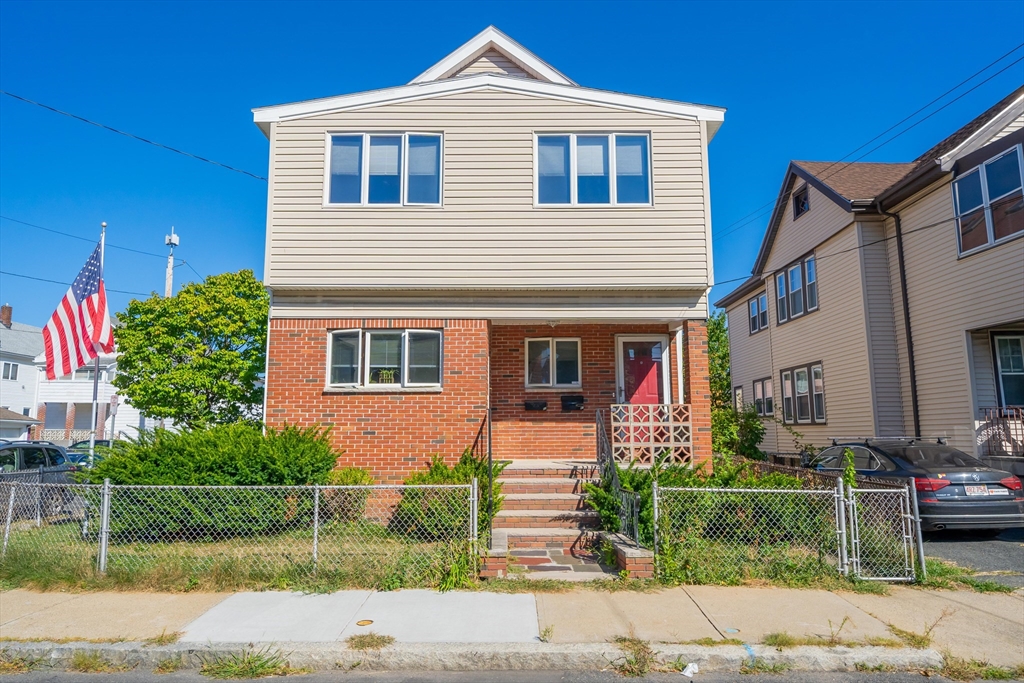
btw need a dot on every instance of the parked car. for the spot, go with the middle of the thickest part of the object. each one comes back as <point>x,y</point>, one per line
<point>955,490</point>
<point>83,446</point>
<point>34,462</point>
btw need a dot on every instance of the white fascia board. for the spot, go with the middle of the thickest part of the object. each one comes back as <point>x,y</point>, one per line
<point>407,93</point>
<point>980,136</point>
<point>480,43</point>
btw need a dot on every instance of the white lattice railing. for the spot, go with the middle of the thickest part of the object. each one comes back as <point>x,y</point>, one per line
<point>71,435</point>
<point>643,432</point>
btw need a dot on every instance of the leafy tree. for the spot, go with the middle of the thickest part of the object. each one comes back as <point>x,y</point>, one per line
<point>718,361</point>
<point>196,357</point>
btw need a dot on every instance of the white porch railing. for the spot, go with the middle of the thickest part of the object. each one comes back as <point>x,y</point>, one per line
<point>1001,432</point>
<point>71,435</point>
<point>641,433</point>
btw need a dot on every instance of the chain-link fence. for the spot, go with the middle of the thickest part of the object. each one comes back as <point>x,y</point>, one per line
<point>720,535</point>
<point>727,536</point>
<point>370,536</point>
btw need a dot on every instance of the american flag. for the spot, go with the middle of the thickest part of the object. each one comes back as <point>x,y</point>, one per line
<point>80,327</point>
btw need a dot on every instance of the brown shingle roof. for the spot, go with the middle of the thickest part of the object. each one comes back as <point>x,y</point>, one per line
<point>970,129</point>
<point>6,414</point>
<point>855,181</point>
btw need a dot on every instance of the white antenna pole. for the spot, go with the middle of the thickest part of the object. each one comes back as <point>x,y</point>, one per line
<point>171,241</point>
<point>96,365</point>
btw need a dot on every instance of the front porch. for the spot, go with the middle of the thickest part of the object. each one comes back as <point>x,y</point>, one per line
<point>997,378</point>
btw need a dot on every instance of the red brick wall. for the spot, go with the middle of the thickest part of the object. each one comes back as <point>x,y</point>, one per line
<point>519,433</point>
<point>698,387</point>
<point>392,434</point>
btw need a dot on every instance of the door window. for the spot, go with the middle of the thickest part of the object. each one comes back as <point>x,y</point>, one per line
<point>8,460</point>
<point>643,380</point>
<point>1010,361</point>
<point>33,457</point>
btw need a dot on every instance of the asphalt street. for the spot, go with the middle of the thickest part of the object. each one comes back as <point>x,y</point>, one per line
<point>999,559</point>
<point>486,677</point>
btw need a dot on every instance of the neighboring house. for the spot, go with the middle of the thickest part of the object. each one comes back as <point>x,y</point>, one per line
<point>490,236</point>
<point>15,425</point>
<point>65,405</point>
<point>888,299</point>
<point>19,345</point>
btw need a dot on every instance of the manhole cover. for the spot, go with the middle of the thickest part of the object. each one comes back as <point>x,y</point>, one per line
<point>364,622</point>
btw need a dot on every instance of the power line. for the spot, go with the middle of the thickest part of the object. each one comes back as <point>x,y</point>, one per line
<point>186,263</point>
<point>760,210</point>
<point>58,282</point>
<point>131,135</point>
<point>79,237</point>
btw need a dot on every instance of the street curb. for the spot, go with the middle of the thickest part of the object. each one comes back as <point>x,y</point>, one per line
<point>481,656</point>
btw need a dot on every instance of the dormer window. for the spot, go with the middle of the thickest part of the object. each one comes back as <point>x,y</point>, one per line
<point>580,170</point>
<point>396,169</point>
<point>801,202</point>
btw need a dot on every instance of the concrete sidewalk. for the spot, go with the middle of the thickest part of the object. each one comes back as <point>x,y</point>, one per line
<point>977,626</point>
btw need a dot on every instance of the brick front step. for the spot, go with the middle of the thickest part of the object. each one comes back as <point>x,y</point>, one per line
<point>566,539</point>
<point>553,502</point>
<point>546,519</point>
<point>515,485</point>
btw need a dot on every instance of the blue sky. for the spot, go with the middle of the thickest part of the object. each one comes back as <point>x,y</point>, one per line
<point>800,80</point>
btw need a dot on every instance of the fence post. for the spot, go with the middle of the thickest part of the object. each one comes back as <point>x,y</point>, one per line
<point>39,500</point>
<point>316,525</point>
<point>10,516</point>
<point>104,526</point>
<point>654,503</point>
<point>917,527</point>
<point>853,530</point>
<point>840,502</point>
<point>473,511</point>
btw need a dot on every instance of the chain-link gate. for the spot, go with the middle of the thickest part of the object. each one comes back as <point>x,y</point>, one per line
<point>880,524</point>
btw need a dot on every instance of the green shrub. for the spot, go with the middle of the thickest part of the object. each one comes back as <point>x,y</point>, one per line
<point>227,455</point>
<point>346,505</point>
<point>442,514</point>
<point>737,432</point>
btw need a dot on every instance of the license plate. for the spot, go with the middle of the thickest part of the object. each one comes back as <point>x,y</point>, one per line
<point>975,490</point>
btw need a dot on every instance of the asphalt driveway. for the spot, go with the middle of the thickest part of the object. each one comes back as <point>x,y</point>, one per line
<point>999,558</point>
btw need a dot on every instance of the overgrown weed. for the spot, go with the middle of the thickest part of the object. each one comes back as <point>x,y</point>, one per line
<point>972,669</point>
<point>15,664</point>
<point>369,641</point>
<point>249,663</point>
<point>640,658</point>
<point>94,663</point>
<point>164,638</point>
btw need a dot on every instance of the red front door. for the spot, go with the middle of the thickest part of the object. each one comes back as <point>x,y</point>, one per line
<point>642,375</point>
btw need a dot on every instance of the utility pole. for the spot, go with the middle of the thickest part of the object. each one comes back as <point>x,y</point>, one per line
<point>172,241</point>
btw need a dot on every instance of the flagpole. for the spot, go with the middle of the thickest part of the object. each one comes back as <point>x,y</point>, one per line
<point>96,366</point>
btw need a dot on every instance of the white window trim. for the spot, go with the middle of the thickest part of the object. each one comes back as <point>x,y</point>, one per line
<point>761,312</point>
<point>10,371</point>
<point>363,360</point>
<point>364,191</point>
<point>765,395</point>
<point>797,394</point>
<point>986,202</point>
<point>787,385</point>
<point>552,373</point>
<point>999,361</point>
<point>814,393</point>
<point>785,296</point>
<point>666,358</point>
<point>612,189</point>
<point>359,356</point>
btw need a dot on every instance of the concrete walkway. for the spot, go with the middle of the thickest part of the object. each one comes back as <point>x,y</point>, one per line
<point>975,625</point>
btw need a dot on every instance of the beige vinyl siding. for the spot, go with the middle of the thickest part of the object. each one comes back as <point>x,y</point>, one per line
<point>950,296</point>
<point>492,61</point>
<point>488,234</point>
<point>899,326</point>
<point>750,359</point>
<point>835,335</point>
<point>983,370</point>
<point>881,332</point>
<point>796,238</point>
<point>1014,126</point>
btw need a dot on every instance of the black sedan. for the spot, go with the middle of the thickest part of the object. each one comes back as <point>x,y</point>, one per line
<point>955,490</point>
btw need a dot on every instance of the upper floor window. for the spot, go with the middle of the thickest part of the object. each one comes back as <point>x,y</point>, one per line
<point>988,202</point>
<point>801,202</point>
<point>395,169</point>
<point>593,169</point>
<point>10,371</point>
<point>553,362</point>
<point>758,311</point>
<point>385,358</point>
<point>796,289</point>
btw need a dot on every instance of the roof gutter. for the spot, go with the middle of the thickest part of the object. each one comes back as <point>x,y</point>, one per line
<point>915,411</point>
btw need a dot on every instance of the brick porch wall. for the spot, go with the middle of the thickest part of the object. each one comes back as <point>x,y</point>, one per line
<point>698,387</point>
<point>518,433</point>
<point>393,433</point>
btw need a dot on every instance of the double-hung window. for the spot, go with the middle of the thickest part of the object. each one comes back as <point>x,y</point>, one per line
<point>10,371</point>
<point>803,395</point>
<point>737,398</point>
<point>605,169</point>
<point>763,399</point>
<point>384,169</point>
<point>797,289</point>
<point>758,311</point>
<point>553,362</point>
<point>385,358</point>
<point>989,202</point>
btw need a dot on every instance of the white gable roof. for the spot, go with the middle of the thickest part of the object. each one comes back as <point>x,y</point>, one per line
<point>984,135</point>
<point>492,39</point>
